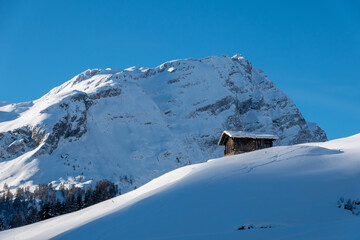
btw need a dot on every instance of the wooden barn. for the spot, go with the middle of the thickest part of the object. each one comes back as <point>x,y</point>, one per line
<point>236,142</point>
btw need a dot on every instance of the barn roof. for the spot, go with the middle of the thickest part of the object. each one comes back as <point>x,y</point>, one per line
<point>241,134</point>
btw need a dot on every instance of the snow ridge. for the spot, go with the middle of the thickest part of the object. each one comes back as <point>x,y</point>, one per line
<point>286,192</point>
<point>133,125</point>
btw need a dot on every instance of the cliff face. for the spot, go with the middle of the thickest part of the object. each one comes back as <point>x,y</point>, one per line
<point>132,125</point>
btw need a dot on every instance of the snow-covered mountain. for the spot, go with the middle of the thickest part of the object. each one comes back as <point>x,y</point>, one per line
<point>286,192</point>
<point>132,125</point>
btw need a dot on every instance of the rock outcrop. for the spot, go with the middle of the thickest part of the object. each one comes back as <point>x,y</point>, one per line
<point>132,125</point>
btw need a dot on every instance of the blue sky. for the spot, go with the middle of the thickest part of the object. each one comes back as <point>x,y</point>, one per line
<point>310,49</point>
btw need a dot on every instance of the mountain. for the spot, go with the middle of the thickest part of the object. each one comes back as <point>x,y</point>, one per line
<point>305,191</point>
<point>132,125</point>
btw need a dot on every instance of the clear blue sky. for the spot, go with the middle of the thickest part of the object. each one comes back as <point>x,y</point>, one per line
<point>310,49</point>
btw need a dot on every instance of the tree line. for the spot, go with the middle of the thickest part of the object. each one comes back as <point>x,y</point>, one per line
<point>25,207</point>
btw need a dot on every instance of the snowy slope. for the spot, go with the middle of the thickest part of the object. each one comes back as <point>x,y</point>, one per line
<point>293,189</point>
<point>132,125</point>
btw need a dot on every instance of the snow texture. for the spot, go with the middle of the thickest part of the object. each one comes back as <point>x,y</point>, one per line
<point>130,126</point>
<point>242,134</point>
<point>286,192</point>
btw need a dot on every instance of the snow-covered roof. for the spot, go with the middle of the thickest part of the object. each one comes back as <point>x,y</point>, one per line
<point>242,134</point>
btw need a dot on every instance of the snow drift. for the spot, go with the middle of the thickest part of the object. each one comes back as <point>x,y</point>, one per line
<point>289,192</point>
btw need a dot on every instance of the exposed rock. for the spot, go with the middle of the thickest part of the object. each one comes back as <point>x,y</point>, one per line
<point>139,123</point>
<point>16,147</point>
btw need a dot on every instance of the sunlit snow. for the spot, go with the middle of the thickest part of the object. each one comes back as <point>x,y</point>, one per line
<point>282,192</point>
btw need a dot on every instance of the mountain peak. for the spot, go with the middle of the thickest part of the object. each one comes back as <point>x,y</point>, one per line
<point>133,125</point>
<point>238,56</point>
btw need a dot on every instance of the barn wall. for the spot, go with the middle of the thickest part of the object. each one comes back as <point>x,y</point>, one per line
<point>235,146</point>
<point>265,143</point>
<point>244,145</point>
<point>229,146</point>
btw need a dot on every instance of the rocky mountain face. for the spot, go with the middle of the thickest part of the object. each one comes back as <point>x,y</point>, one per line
<point>132,125</point>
